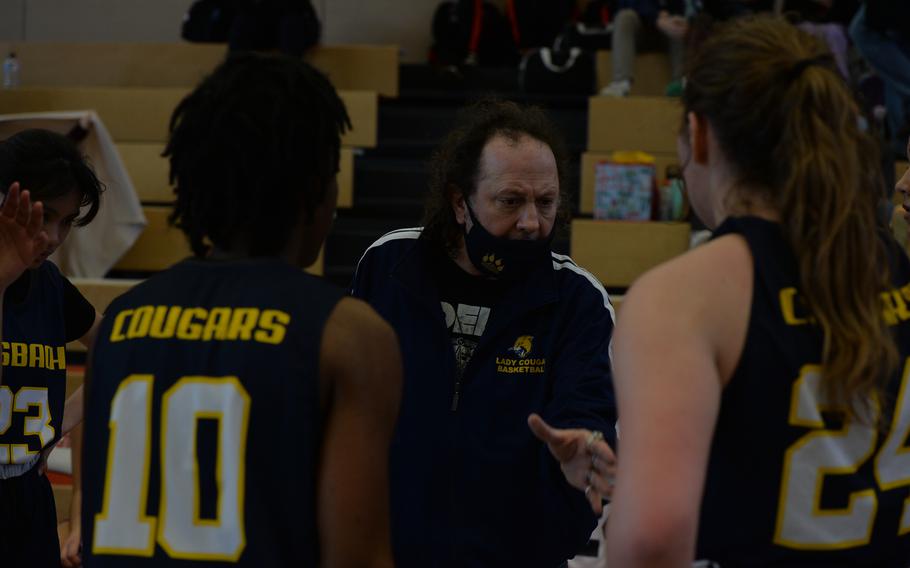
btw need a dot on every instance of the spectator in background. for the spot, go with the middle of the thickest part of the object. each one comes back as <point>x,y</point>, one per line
<point>881,32</point>
<point>645,24</point>
<point>824,19</point>
<point>288,26</point>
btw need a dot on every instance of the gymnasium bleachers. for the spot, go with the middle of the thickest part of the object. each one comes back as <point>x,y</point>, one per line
<point>398,120</point>
<point>117,79</point>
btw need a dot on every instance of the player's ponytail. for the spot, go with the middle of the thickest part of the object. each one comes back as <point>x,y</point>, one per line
<point>790,129</point>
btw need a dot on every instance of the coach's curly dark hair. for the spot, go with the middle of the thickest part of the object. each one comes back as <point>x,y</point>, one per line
<point>50,165</point>
<point>257,141</point>
<point>454,166</point>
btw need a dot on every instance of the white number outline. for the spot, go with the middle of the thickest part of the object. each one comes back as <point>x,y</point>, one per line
<point>154,528</point>
<point>893,448</point>
<point>10,403</point>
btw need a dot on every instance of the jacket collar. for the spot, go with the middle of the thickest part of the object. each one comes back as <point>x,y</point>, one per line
<point>415,272</point>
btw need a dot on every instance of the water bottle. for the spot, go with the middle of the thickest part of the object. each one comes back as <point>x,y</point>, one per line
<point>11,71</point>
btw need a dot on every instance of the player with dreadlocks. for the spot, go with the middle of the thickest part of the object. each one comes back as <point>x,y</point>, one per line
<point>229,422</point>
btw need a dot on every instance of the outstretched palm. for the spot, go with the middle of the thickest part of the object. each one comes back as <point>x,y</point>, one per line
<point>587,462</point>
<point>21,239</point>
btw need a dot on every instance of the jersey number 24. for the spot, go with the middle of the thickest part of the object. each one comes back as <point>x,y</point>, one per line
<point>801,522</point>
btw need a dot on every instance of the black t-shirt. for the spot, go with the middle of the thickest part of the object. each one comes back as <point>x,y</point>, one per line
<point>467,302</point>
<point>79,314</point>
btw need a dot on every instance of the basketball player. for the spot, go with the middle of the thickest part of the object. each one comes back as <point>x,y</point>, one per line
<point>48,182</point>
<point>764,378</point>
<point>241,409</point>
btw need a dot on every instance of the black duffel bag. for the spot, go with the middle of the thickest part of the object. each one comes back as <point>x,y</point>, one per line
<point>549,72</point>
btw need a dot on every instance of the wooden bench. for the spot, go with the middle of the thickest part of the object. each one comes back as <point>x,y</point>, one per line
<point>142,114</point>
<point>100,292</point>
<point>652,73</point>
<point>589,161</point>
<point>618,252</point>
<point>161,245</point>
<point>149,173</point>
<point>139,64</point>
<point>649,124</point>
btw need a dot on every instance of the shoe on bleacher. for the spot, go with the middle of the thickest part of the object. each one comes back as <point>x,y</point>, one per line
<point>617,89</point>
<point>674,88</point>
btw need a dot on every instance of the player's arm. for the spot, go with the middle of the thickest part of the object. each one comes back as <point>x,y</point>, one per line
<point>70,549</point>
<point>361,370</point>
<point>72,409</point>
<point>677,341</point>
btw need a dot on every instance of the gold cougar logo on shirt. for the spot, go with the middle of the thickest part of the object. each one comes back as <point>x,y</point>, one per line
<point>491,263</point>
<point>522,347</point>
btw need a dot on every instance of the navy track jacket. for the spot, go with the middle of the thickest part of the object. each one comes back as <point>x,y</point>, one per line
<point>472,487</point>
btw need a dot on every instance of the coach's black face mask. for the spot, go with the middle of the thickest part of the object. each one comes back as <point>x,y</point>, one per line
<point>503,258</point>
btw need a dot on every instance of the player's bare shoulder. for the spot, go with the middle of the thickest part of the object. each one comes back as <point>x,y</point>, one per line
<point>358,345</point>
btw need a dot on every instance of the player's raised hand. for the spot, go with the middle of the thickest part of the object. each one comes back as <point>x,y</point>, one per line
<point>586,460</point>
<point>22,238</point>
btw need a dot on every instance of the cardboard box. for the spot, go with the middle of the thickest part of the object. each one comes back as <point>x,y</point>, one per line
<point>618,252</point>
<point>647,124</point>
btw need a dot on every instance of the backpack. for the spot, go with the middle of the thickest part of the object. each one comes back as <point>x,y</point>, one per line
<point>550,72</point>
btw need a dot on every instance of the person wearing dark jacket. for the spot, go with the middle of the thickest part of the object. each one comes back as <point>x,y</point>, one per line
<point>493,327</point>
<point>881,32</point>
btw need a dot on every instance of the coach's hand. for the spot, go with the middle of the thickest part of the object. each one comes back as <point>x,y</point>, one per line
<point>585,459</point>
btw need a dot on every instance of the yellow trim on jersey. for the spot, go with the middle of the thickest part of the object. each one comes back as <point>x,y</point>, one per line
<point>241,473</point>
<point>808,372</point>
<point>149,550</point>
<point>901,410</point>
<point>197,518</point>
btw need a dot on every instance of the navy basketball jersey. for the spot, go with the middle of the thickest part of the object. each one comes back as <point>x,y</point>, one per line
<point>790,481</point>
<point>33,386</point>
<point>203,426</point>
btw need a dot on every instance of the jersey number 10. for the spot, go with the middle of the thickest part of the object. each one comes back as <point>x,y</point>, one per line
<point>122,527</point>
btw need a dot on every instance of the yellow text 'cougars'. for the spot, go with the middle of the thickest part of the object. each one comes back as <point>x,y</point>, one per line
<point>33,355</point>
<point>895,306</point>
<point>200,324</point>
<point>529,366</point>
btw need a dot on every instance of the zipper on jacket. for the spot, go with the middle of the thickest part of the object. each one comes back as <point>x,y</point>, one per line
<point>457,395</point>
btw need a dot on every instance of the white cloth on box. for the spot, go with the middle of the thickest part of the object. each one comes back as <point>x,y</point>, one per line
<point>90,251</point>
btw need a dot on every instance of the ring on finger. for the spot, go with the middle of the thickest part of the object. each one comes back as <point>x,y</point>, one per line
<point>588,489</point>
<point>594,436</point>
